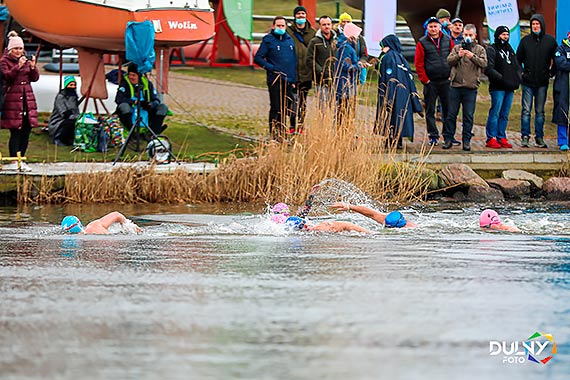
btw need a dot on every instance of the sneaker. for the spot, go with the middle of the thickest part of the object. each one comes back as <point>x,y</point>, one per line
<point>447,144</point>
<point>563,148</point>
<point>504,143</point>
<point>291,131</point>
<point>25,167</point>
<point>492,143</point>
<point>525,141</point>
<point>467,146</point>
<point>433,141</point>
<point>455,142</point>
<point>540,143</point>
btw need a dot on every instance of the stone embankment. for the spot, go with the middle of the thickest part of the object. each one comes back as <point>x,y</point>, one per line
<point>464,184</point>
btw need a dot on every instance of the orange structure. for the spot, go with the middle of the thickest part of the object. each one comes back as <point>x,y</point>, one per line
<point>95,27</point>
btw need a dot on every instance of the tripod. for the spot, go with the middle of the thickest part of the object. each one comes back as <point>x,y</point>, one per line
<point>136,128</point>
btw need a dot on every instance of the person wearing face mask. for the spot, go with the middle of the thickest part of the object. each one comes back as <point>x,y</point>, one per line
<point>277,56</point>
<point>562,92</point>
<point>19,112</point>
<point>467,62</point>
<point>536,55</point>
<point>444,18</point>
<point>61,124</point>
<point>503,71</point>
<point>302,32</point>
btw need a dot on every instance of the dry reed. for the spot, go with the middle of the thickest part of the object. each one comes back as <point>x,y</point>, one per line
<point>335,144</point>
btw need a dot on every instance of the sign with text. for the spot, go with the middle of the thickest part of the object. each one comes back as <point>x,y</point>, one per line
<point>504,12</point>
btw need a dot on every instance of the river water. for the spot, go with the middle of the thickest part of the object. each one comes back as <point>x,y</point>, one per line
<point>214,292</point>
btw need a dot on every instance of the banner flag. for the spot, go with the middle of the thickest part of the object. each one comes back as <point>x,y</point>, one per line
<point>504,12</point>
<point>379,21</point>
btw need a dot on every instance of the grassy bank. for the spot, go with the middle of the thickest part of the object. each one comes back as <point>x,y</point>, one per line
<point>190,142</point>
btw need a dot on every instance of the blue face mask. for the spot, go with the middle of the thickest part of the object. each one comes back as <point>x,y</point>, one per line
<point>468,40</point>
<point>537,33</point>
<point>279,32</point>
<point>444,24</point>
<point>301,21</point>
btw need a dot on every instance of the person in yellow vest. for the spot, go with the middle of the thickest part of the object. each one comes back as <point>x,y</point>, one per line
<point>135,88</point>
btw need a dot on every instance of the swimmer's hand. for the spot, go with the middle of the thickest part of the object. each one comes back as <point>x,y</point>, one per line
<point>341,206</point>
<point>314,189</point>
<point>131,227</point>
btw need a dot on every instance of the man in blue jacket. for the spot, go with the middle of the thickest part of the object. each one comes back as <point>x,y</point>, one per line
<point>277,56</point>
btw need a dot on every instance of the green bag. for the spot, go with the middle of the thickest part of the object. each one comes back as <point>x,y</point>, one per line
<point>86,133</point>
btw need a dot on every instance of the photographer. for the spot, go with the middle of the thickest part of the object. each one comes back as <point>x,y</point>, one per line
<point>19,112</point>
<point>467,62</point>
<point>134,89</point>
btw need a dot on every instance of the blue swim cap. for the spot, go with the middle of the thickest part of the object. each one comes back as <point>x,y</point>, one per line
<point>395,219</point>
<point>71,224</point>
<point>295,223</point>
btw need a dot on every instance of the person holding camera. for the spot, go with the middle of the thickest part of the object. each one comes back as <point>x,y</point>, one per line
<point>467,62</point>
<point>61,126</point>
<point>136,90</point>
<point>19,111</point>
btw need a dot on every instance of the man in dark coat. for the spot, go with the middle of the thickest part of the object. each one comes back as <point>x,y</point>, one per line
<point>397,94</point>
<point>536,55</point>
<point>302,33</point>
<point>504,73</point>
<point>277,56</point>
<point>321,57</point>
<point>61,126</point>
<point>433,71</point>
<point>562,92</point>
<point>135,89</point>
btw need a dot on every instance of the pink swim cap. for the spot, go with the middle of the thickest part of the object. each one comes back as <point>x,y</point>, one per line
<point>489,217</point>
<point>278,218</point>
<point>281,208</point>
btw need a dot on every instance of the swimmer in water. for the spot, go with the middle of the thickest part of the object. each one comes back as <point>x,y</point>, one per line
<point>100,226</point>
<point>394,219</point>
<point>489,219</point>
<point>298,223</point>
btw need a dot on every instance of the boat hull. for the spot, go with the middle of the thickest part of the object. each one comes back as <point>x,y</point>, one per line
<point>79,24</point>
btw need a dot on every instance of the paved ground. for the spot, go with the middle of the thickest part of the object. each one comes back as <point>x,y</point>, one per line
<point>208,99</point>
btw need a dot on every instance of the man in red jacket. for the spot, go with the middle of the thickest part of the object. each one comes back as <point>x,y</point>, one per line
<point>433,71</point>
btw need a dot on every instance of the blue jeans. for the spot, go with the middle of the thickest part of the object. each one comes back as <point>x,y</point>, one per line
<point>467,98</point>
<point>539,95</point>
<point>501,102</point>
<point>562,135</point>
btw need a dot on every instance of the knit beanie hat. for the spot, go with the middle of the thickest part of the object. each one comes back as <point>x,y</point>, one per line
<point>15,42</point>
<point>67,80</point>
<point>299,9</point>
<point>133,68</point>
<point>443,13</point>
<point>344,17</point>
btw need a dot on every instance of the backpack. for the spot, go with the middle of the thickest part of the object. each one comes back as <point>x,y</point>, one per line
<point>158,150</point>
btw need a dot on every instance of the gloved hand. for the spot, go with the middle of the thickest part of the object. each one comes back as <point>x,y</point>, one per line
<point>145,105</point>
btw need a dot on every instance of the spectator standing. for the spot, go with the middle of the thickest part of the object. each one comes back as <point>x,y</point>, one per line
<point>347,70</point>
<point>19,112</point>
<point>361,49</point>
<point>397,94</point>
<point>135,89</point>
<point>444,18</point>
<point>302,33</point>
<point>321,57</point>
<point>61,126</point>
<point>456,31</point>
<point>433,71</point>
<point>504,72</point>
<point>562,92</point>
<point>535,54</point>
<point>467,62</point>
<point>277,56</point>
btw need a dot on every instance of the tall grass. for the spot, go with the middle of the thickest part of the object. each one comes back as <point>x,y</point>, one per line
<point>335,144</point>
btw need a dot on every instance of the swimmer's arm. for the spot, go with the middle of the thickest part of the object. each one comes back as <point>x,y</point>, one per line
<point>113,217</point>
<point>368,212</point>
<point>504,227</point>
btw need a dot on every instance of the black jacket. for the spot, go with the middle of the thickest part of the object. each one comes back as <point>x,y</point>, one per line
<point>503,68</point>
<point>536,54</point>
<point>562,85</point>
<point>321,56</point>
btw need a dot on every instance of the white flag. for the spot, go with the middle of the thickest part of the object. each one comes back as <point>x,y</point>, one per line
<point>380,20</point>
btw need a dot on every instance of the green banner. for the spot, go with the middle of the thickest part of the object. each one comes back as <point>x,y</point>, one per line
<point>239,17</point>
